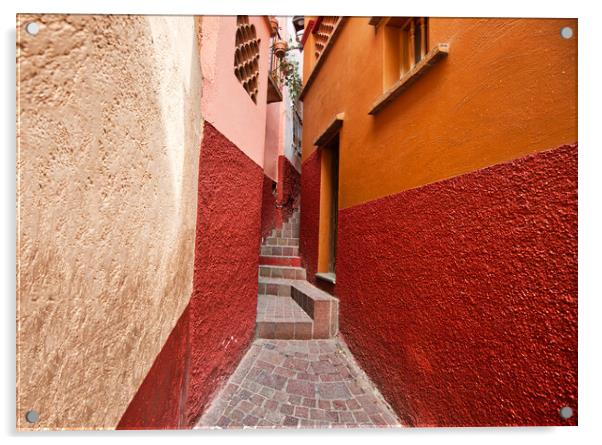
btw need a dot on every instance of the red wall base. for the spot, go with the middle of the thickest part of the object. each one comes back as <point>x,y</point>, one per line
<point>278,208</point>
<point>289,188</point>
<point>224,299</point>
<point>310,214</point>
<point>269,209</point>
<point>461,305</point>
<point>157,404</point>
<point>218,324</point>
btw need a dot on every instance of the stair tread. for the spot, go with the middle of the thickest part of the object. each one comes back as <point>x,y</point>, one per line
<point>270,280</point>
<point>272,309</point>
<point>314,292</point>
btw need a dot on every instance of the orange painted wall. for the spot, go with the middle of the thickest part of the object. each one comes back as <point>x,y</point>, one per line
<point>508,88</point>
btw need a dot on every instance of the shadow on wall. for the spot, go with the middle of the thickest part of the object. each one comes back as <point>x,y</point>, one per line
<point>107,188</point>
<point>280,199</point>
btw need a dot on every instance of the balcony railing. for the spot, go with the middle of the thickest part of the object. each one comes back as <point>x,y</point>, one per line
<point>275,76</point>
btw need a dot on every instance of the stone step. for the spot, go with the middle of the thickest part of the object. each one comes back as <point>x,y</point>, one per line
<point>280,250</point>
<point>322,307</point>
<point>278,316</point>
<point>293,273</point>
<point>282,318</point>
<point>285,233</point>
<point>273,241</point>
<point>277,287</point>
<point>280,260</point>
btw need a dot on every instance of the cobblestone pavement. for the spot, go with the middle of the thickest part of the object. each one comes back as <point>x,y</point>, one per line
<point>298,384</point>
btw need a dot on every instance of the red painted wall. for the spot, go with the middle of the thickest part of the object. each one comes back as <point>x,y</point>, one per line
<point>158,402</point>
<point>218,324</point>
<point>289,188</point>
<point>459,298</point>
<point>269,210</point>
<point>310,214</point>
<point>277,209</point>
<point>224,299</point>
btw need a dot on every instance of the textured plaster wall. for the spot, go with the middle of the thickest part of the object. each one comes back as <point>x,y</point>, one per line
<point>226,105</point>
<point>277,208</point>
<point>274,142</point>
<point>492,99</point>
<point>288,31</point>
<point>459,299</point>
<point>109,130</point>
<point>289,188</point>
<point>224,300</point>
<point>218,324</point>
<point>268,207</point>
<point>159,402</point>
<point>310,214</point>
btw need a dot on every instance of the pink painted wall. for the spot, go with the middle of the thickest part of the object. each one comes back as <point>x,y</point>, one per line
<point>274,144</point>
<point>225,104</point>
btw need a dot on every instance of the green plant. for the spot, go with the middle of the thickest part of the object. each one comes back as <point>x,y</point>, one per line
<point>290,71</point>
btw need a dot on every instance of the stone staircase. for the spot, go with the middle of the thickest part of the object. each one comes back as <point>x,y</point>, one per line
<point>288,307</point>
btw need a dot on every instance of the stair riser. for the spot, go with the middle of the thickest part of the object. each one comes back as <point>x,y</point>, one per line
<point>325,313</point>
<point>282,242</point>
<point>280,290</point>
<point>280,250</point>
<point>280,261</point>
<point>285,330</point>
<point>278,272</point>
<point>285,234</point>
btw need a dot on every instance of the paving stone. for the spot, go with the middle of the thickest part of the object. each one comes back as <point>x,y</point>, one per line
<point>301,412</point>
<point>271,405</point>
<point>300,387</point>
<point>310,403</point>
<point>296,364</point>
<point>298,384</point>
<point>323,367</point>
<point>287,409</point>
<point>336,390</point>
<point>268,393</point>
<point>250,420</point>
<point>339,405</point>
<point>290,421</point>
<point>295,399</point>
<point>325,404</point>
<point>270,380</point>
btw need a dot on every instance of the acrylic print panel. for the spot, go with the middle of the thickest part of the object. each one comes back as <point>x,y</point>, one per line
<point>178,204</point>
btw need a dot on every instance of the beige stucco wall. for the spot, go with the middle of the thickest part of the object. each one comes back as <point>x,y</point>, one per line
<point>109,131</point>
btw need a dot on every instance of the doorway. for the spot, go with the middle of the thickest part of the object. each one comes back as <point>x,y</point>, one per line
<point>334,197</point>
<point>329,209</point>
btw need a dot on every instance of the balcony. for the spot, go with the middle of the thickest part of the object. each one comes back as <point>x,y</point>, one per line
<point>275,75</point>
<point>275,80</point>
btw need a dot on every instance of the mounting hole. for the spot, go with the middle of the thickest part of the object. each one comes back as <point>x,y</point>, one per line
<point>566,412</point>
<point>566,32</point>
<point>32,28</point>
<point>32,416</point>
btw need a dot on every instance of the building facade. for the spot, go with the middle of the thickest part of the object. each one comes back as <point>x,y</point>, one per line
<point>439,204</point>
<point>142,163</point>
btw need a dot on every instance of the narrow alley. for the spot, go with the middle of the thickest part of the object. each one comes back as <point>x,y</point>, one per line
<point>237,221</point>
<point>298,383</point>
<point>288,378</point>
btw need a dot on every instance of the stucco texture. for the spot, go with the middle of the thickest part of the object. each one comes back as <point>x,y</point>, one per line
<point>269,211</point>
<point>310,214</point>
<point>226,104</point>
<point>224,300</point>
<point>459,299</point>
<point>109,130</point>
<point>289,188</point>
<point>492,99</point>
